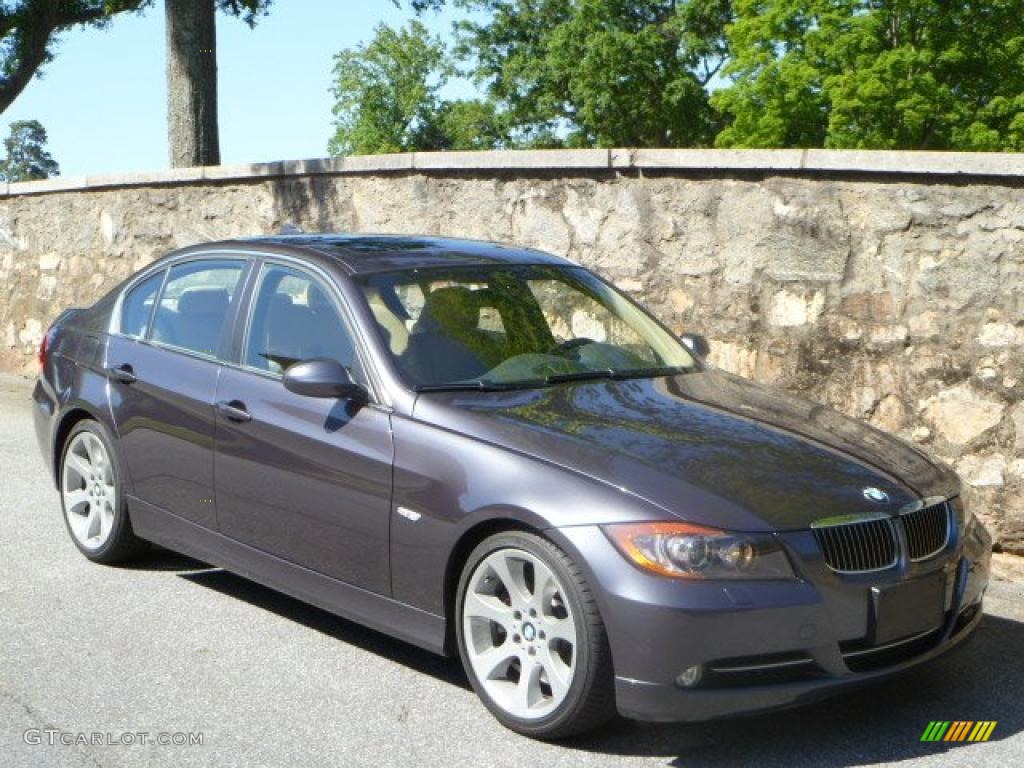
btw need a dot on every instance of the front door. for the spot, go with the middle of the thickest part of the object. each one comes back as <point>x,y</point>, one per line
<point>305,479</point>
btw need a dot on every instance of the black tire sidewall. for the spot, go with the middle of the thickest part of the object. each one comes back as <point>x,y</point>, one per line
<point>117,533</point>
<point>537,547</point>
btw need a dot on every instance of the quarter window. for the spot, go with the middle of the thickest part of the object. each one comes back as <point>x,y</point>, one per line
<point>194,305</point>
<point>137,306</point>
<point>294,319</point>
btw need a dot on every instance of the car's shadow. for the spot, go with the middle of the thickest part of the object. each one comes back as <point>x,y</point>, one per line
<point>447,670</point>
<point>160,559</point>
<point>878,724</point>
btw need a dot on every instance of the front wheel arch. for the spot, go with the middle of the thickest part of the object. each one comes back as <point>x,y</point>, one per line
<point>589,698</point>
<point>460,553</point>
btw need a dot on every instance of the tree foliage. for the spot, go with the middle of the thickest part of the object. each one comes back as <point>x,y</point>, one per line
<point>26,156</point>
<point>599,72</point>
<point>388,98</point>
<point>880,74</point>
<point>885,74</point>
<point>29,30</point>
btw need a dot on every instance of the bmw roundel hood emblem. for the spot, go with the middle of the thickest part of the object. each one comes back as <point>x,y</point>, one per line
<point>876,495</point>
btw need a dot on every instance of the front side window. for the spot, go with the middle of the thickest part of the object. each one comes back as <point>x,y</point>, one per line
<point>137,306</point>
<point>193,307</point>
<point>512,326</point>
<point>294,319</point>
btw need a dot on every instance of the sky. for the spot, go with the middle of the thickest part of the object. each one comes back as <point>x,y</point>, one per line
<point>103,98</point>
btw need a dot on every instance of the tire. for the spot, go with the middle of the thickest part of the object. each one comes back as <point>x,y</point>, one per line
<point>92,497</point>
<point>561,642</point>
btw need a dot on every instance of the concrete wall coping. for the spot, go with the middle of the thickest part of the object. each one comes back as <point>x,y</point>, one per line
<point>798,161</point>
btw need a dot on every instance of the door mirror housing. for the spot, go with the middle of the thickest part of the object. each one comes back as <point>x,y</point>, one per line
<point>696,344</point>
<point>323,377</point>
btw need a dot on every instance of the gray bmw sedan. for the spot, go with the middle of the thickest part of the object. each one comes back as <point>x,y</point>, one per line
<point>490,451</point>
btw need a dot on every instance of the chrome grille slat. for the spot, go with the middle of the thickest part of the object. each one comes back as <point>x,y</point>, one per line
<point>927,530</point>
<point>850,551</point>
<point>911,527</point>
<point>873,541</point>
<point>858,545</point>
<point>844,546</point>
<point>863,551</point>
<point>861,544</point>
<point>855,549</point>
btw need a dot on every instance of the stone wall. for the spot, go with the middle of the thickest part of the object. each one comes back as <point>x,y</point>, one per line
<point>888,285</point>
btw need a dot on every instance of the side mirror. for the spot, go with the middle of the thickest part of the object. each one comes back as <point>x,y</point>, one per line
<point>696,344</point>
<point>322,377</point>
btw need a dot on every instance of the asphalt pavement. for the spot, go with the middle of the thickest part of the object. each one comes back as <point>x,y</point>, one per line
<point>128,656</point>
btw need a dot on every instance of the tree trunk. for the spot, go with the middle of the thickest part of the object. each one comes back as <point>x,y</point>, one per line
<point>192,83</point>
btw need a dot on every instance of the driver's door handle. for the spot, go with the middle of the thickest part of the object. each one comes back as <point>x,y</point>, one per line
<point>123,373</point>
<point>234,410</point>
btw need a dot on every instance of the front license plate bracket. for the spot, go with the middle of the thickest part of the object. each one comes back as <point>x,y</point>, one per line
<point>907,609</point>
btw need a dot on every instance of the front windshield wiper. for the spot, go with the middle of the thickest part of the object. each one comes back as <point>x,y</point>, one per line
<point>611,373</point>
<point>485,385</point>
<point>479,385</point>
<point>558,378</point>
<point>650,373</point>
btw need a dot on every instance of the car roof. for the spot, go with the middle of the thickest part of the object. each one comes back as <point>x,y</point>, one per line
<point>359,254</point>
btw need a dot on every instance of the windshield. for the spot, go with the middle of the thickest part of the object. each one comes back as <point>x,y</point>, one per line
<point>513,326</point>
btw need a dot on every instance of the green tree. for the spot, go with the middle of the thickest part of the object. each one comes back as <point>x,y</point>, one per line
<point>27,158</point>
<point>29,29</point>
<point>388,98</point>
<point>599,72</point>
<point>885,74</point>
<point>463,124</point>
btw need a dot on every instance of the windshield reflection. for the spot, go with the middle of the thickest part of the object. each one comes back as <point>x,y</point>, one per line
<point>500,327</point>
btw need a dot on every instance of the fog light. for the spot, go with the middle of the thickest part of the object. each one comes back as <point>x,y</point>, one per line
<point>690,677</point>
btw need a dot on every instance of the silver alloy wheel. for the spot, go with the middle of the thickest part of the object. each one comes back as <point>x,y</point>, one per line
<point>519,633</point>
<point>87,486</point>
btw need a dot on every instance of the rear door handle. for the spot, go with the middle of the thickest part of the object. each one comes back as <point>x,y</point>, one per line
<point>234,410</point>
<point>124,373</point>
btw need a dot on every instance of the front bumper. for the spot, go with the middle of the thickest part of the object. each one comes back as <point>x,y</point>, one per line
<point>762,645</point>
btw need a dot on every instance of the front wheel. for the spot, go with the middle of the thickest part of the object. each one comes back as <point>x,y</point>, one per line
<point>92,497</point>
<point>531,638</point>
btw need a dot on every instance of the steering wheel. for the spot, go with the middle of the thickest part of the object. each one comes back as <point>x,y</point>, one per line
<point>570,344</point>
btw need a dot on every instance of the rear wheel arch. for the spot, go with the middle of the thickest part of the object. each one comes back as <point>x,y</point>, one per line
<point>92,492</point>
<point>68,420</point>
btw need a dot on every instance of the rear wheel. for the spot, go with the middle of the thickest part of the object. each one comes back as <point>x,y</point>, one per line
<point>92,497</point>
<point>531,638</point>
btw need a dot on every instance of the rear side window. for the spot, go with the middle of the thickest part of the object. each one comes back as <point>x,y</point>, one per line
<point>194,305</point>
<point>137,307</point>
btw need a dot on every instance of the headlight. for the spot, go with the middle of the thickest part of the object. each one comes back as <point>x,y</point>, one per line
<point>686,551</point>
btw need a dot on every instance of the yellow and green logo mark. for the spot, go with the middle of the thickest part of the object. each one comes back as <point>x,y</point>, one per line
<point>958,730</point>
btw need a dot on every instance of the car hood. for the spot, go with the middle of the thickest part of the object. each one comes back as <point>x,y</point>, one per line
<point>708,447</point>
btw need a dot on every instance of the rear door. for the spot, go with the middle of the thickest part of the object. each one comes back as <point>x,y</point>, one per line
<point>306,479</point>
<point>164,366</point>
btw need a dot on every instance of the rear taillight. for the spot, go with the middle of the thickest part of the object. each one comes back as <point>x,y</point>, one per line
<point>44,347</point>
